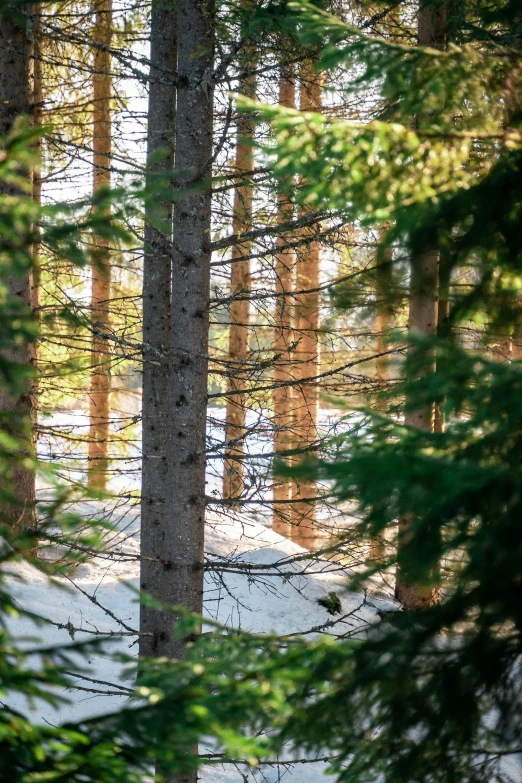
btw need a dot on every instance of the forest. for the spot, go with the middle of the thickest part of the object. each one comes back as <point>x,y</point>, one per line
<point>260,391</point>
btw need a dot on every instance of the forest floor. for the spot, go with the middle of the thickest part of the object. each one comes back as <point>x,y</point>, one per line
<point>255,580</point>
<point>279,594</point>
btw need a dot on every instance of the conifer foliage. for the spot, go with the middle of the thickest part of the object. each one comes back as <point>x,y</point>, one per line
<point>432,167</point>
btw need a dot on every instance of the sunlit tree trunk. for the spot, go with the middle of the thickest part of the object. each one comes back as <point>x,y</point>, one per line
<point>423,313</point>
<point>422,321</point>
<point>305,409</point>
<point>283,373</point>
<point>17,414</point>
<point>156,323</point>
<point>233,478</point>
<point>99,410</point>
<point>384,315</point>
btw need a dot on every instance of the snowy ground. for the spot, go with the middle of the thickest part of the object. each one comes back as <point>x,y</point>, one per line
<point>280,597</point>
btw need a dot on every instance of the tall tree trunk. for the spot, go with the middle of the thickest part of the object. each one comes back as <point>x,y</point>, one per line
<point>185,509</point>
<point>233,477</point>
<point>303,512</point>
<point>383,325</point>
<point>384,316</point>
<point>282,397</point>
<point>423,321</point>
<point>177,538</point>
<point>37,116</point>
<point>156,320</point>
<point>433,32</point>
<point>99,410</point>
<point>17,413</point>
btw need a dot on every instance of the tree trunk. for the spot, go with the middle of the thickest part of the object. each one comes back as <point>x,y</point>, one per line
<point>99,410</point>
<point>156,319</point>
<point>185,509</point>
<point>37,117</point>
<point>176,540</point>
<point>423,321</point>
<point>303,512</point>
<point>442,318</point>
<point>433,32</point>
<point>233,478</point>
<point>384,317</point>
<point>383,325</point>
<point>17,413</point>
<point>282,397</point>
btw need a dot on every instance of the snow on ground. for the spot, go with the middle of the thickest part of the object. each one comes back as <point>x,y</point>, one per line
<point>280,594</point>
<point>272,601</point>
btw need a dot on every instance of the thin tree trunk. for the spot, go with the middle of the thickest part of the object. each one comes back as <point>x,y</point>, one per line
<point>433,32</point>
<point>384,317</point>
<point>233,478</point>
<point>442,319</point>
<point>17,412</point>
<point>99,410</point>
<point>383,325</point>
<point>422,321</point>
<point>156,320</point>
<point>37,117</point>
<point>282,397</point>
<point>304,512</point>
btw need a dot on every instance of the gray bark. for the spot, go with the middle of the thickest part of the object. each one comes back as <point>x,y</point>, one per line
<point>17,413</point>
<point>156,321</point>
<point>175,391</point>
<point>185,507</point>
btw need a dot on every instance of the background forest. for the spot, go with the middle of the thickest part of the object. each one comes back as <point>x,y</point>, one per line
<point>261,391</point>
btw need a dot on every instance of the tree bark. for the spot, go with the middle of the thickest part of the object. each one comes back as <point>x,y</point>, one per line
<point>443,311</point>
<point>99,407</point>
<point>433,32</point>
<point>185,509</point>
<point>422,321</point>
<point>233,478</point>
<point>384,316</point>
<point>176,540</point>
<point>304,512</point>
<point>17,413</point>
<point>383,325</point>
<point>37,121</point>
<point>157,318</point>
<point>282,396</point>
